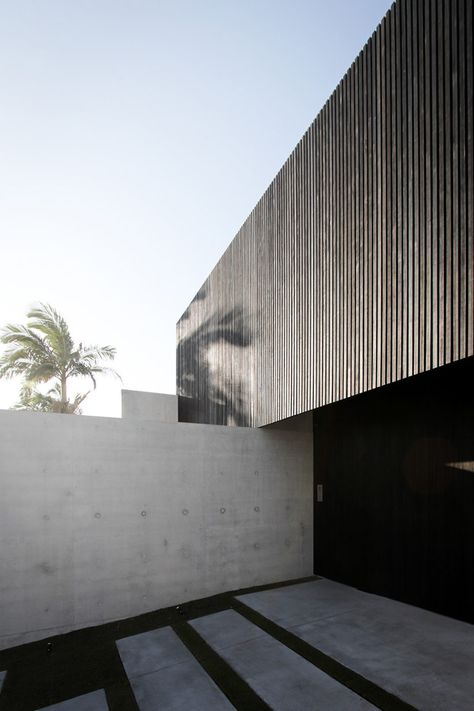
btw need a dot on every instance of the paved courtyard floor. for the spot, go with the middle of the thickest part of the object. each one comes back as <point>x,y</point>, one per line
<point>308,645</point>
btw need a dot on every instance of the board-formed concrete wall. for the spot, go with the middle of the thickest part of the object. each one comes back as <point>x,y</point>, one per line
<point>103,518</point>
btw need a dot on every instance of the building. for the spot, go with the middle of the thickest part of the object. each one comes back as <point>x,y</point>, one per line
<point>349,293</point>
<point>323,424</point>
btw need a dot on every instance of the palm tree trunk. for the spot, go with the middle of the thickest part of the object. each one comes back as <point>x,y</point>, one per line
<point>63,393</point>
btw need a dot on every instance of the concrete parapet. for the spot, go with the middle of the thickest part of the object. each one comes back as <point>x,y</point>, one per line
<point>149,406</point>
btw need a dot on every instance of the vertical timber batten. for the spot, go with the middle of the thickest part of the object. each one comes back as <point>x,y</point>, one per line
<point>355,269</point>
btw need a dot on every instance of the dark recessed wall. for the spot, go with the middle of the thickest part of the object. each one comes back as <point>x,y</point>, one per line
<point>355,269</point>
<point>397,469</point>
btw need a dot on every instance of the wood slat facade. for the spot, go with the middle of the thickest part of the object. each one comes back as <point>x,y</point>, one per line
<point>355,269</point>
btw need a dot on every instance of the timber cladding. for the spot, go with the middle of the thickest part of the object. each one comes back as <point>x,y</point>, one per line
<point>355,269</point>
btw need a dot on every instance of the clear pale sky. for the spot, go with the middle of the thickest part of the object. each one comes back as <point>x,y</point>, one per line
<point>135,138</point>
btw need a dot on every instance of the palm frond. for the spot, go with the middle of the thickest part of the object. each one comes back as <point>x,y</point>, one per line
<point>42,372</point>
<point>30,351</point>
<point>94,353</point>
<point>85,361</point>
<point>78,400</point>
<point>51,401</point>
<point>33,400</point>
<point>52,325</point>
<point>24,337</point>
<point>78,368</point>
<point>107,371</point>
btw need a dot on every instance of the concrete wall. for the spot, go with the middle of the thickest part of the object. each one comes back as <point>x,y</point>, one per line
<point>150,406</point>
<point>101,519</point>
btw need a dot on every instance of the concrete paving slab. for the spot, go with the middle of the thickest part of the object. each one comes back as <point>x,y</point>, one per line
<point>95,701</point>
<point>180,687</point>
<point>424,658</point>
<point>226,629</point>
<point>164,674</point>
<point>151,651</point>
<point>286,681</point>
<point>306,602</point>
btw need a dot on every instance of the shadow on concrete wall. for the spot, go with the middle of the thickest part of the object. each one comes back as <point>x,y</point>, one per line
<point>212,376</point>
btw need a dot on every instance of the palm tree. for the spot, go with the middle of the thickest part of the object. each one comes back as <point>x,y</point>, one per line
<point>44,351</point>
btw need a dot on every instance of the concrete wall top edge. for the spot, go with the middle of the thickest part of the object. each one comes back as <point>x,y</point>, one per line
<point>84,423</point>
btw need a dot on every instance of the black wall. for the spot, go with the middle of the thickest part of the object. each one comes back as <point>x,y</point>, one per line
<point>355,269</point>
<point>397,468</point>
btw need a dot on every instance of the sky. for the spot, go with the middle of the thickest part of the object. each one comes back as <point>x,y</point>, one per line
<point>135,138</point>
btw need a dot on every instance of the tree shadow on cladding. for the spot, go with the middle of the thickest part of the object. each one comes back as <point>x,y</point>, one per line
<point>213,367</point>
